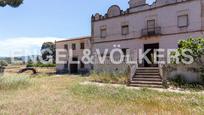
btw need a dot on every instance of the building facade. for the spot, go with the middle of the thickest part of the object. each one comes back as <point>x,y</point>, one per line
<point>64,58</point>
<point>142,26</point>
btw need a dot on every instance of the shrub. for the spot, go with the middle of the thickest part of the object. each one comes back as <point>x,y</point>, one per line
<point>3,63</point>
<point>40,65</point>
<point>2,69</point>
<point>178,80</point>
<point>202,77</point>
<point>202,74</point>
<point>196,45</point>
<point>14,82</point>
<point>105,77</point>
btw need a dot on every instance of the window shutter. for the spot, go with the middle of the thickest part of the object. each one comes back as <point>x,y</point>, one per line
<point>183,21</point>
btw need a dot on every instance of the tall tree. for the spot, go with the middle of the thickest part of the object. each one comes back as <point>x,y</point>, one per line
<point>12,3</point>
<point>48,49</point>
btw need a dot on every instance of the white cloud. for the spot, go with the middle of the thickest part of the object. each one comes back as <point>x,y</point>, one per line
<point>23,43</point>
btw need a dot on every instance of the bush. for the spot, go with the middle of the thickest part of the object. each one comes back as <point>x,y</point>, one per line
<point>1,70</point>
<point>3,63</point>
<point>202,77</point>
<point>196,45</point>
<point>105,77</point>
<point>40,65</point>
<point>14,82</point>
<point>202,74</point>
<point>179,81</point>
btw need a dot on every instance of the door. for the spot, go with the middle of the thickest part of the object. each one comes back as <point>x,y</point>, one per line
<point>66,67</point>
<point>150,55</point>
<point>74,67</point>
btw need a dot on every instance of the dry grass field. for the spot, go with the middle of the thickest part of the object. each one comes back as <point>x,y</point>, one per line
<point>51,95</point>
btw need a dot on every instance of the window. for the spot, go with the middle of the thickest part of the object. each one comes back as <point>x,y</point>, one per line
<point>73,46</point>
<point>182,21</point>
<point>82,46</point>
<point>151,27</point>
<point>66,46</point>
<point>103,33</point>
<point>150,24</point>
<point>82,65</point>
<point>125,30</point>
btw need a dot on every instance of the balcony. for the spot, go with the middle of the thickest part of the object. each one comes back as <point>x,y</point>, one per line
<point>151,31</point>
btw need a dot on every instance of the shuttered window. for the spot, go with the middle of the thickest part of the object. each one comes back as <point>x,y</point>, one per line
<point>103,33</point>
<point>125,30</point>
<point>82,46</point>
<point>182,21</point>
<point>150,24</point>
<point>66,46</point>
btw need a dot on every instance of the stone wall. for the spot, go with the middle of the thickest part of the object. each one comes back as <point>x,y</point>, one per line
<point>121,68</point>
<point>191,73</point>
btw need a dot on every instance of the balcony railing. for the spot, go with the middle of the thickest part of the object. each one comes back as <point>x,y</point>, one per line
<point>151,31</point>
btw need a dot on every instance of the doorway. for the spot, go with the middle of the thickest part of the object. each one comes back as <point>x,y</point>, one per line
<point>150,54</point>
<point>74,67</point>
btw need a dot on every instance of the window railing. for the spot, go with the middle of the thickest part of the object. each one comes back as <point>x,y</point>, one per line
<point>151,31</point>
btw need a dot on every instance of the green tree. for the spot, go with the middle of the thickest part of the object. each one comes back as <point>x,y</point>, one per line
<point>48,49</point>
<point>196,45</point>
<point>12,3</point>
<point>3,63</point>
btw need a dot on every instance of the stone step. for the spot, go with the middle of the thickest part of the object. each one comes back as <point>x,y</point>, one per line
<point>148,68</point>
<point>145,85</point>
<point>146,79</point>
<point>147,71</point>
<point>147,74</point>
<point>147,82</point>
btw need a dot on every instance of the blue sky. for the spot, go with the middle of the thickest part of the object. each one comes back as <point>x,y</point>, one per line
<point>37,21</point>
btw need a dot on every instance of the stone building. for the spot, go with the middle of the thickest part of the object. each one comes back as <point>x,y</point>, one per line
<point>77,45</point>
<point>142,26</point>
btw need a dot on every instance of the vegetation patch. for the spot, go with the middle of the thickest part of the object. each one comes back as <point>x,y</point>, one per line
<point>148,98</point>
<point>40,65</point>
<point>187,86</point>
<point>196,45</point>
<point>179,81</point>
<point>3,63</point>
<point>14,82</point>
<point>64,95</point>
<point>105,77</point>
